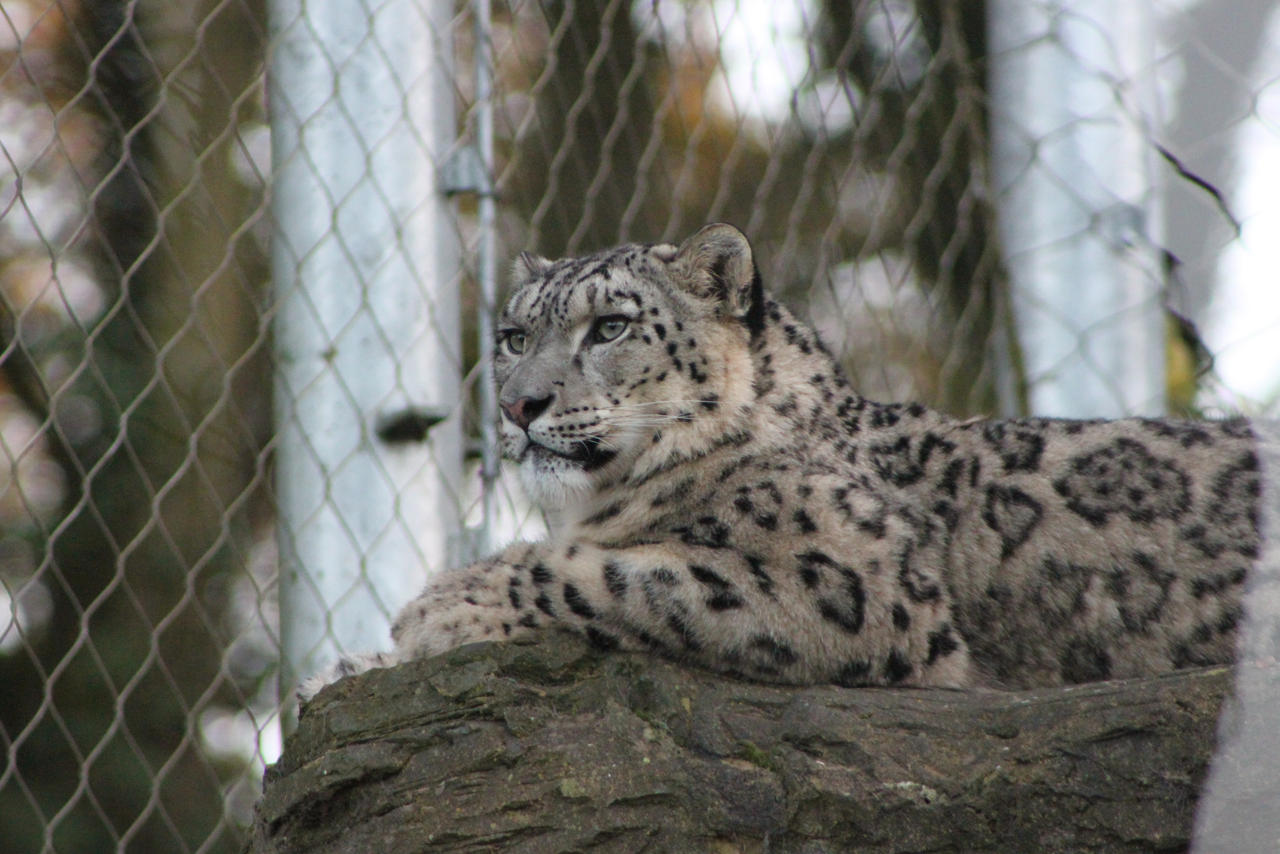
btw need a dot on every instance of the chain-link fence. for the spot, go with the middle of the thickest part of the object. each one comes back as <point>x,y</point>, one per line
<point>166,286</point>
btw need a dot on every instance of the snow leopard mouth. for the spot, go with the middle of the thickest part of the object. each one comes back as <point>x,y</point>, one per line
<point>590,454</point>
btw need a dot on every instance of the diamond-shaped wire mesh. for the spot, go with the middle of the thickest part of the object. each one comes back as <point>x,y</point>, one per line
<point>140,640</point>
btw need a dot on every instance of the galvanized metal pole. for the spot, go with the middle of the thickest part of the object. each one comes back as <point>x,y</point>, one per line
<point>486,269</point>
<point>1071,95</point>
<point>367,342</point>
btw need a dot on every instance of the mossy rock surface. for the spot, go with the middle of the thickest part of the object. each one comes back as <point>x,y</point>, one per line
<point>554,747</point>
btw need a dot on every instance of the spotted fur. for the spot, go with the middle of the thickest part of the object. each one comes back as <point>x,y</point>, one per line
<point>717,492</point>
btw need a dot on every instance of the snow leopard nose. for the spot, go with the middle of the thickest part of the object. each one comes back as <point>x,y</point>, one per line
<point>523,411</point>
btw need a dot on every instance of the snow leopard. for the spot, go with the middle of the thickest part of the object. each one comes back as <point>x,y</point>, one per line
<point>717,492</point>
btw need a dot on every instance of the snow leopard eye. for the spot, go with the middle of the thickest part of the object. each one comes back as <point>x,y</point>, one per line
<point>514,340</point>
<point>609,328</point>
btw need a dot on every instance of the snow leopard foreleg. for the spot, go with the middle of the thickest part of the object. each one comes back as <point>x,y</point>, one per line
<point>814,619</point>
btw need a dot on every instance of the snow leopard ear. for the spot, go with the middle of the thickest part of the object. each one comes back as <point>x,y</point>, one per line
<point>528,266</point>
<point>716,262</point>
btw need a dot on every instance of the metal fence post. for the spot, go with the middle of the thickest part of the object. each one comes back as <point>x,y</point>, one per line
<point>1073,169</point>
<point>486,273</point>
<point>365,264</point>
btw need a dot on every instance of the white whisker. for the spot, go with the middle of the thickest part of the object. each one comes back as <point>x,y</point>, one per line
<point>632,422</point>
<point>657,403</point>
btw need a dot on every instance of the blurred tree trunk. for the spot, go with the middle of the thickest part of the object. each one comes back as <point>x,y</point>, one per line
<point>579,166</point>
<point>931,136</point>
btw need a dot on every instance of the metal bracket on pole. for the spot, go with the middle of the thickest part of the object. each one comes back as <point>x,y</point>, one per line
<point>410,424</point>
<point>464,172</point>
